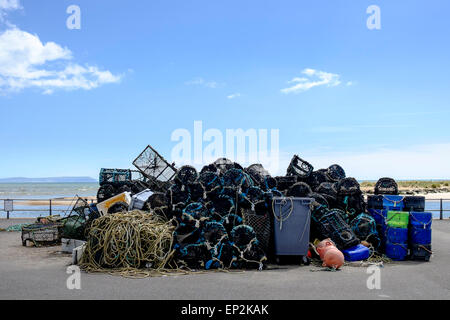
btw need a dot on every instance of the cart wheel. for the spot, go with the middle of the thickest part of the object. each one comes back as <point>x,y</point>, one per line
<point>306,260</point>
<point>427,258</point>
<point>277,260</point>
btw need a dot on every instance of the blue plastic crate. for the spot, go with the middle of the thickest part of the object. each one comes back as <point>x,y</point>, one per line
<point>419,236</point>
<point>396,235</point>
<point>379,215</point>
<point>396,251</point>
<point>393,203</point>
<point>422,220</point>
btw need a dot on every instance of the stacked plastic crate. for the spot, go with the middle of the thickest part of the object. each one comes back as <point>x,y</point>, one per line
<point>419,228</point>
<point>392,224</point>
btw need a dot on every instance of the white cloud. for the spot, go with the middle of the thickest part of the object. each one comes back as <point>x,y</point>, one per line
<point>202,82</point>
<point>8,5</point>
<point>233,96</point>
<point>314,78</point>
<point>26,62</point>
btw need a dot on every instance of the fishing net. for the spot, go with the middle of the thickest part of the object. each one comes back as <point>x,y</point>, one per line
<point>230,221</point>
<point>262,225</point>
<point>243,235</point>
<point>128,240</point>
<point>284,183</point>
<point>105,192</point>
<point>386,186</point>
<point>348,186</point>
<point>210,180</point>
<point>335,173</point>
<point>299,190</point>
<point>187,175</point>
<point>365,228</point>
<point>316,178</point>
<point>299,167</point>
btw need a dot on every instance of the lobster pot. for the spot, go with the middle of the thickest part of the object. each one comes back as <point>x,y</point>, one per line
<point>261,224</point>
<point>292,220</point>
<point>332,225</point>
<point>396,235</point>
<point>398,219</point>
<point>396,251</point>
<point>414,204</point>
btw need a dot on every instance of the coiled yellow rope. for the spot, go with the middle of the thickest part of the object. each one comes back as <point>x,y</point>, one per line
<point>135,244</point>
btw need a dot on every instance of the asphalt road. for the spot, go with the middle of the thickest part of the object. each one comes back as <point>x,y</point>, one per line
<point>40,273</point>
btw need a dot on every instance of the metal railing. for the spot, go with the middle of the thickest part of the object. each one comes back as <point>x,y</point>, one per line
<point>53,205</point>
<point>38,205</point>
<point>441,209</point>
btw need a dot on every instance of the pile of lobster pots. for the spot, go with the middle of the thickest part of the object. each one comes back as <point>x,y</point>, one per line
<point>224,213</point>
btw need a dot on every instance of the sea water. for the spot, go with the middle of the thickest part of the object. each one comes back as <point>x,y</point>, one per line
<point>45,191</point>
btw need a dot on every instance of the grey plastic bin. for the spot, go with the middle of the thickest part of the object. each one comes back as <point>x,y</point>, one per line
<point>292,225</point>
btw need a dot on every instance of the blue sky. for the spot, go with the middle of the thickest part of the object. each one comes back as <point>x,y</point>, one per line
<point>147,68</point>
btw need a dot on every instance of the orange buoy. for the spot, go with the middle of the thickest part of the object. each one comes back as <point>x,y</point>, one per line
<point>331,256</point>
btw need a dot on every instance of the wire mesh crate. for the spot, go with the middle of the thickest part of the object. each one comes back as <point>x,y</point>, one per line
<point>114,176</point>
<point>155,168</point>
<point>42,234</point>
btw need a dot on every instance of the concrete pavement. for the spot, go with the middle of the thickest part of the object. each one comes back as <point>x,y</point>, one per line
<point>40,273</point>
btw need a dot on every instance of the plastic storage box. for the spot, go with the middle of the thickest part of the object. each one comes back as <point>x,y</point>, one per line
<point>414,203</point>
<point>139,199</point>
<point>396,251</point>
<point>397,219</point>
<point>396,235</point>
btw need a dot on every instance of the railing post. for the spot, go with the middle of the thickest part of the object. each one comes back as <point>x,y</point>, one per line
<point>441,216</point>
<point>50,200</point>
